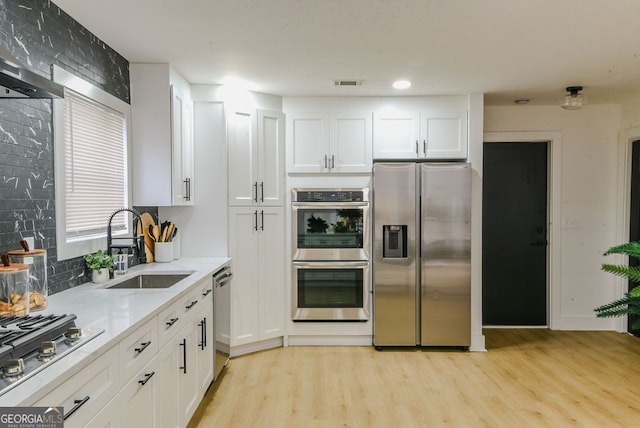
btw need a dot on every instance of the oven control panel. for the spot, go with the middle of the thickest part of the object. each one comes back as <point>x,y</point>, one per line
<point>343,195</point>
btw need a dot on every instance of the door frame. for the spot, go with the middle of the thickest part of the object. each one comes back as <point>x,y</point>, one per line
<point>554,209</point>
<point>625,146</point>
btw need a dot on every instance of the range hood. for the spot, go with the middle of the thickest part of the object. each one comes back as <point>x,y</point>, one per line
<point>18,82</point>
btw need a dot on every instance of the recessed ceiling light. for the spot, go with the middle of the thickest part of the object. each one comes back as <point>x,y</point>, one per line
<point>522,101</point>
<point>401,84</point>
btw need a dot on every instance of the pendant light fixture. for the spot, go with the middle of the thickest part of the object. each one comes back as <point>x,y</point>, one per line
<point>573,100</point>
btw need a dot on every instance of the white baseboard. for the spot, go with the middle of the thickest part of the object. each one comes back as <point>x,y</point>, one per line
<point>365,340</point>
<point>477,344</point>
<point>249,348</point>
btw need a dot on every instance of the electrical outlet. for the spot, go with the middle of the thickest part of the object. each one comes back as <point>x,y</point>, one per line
<point>571,223</point>
<point>31,241</point>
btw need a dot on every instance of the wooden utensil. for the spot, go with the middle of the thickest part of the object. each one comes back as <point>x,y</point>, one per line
<point>170,232</point>
<point>147,220</point>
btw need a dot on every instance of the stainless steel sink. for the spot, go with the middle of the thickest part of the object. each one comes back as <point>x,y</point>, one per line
<point>150,281</point>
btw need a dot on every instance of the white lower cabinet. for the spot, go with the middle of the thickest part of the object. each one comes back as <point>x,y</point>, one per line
<point>148,379</point>
<point>140,398</point>
<point>88,391</point>
<point>257,296</point>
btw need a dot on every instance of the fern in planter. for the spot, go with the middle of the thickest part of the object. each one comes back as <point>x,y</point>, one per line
<point>630,303</point>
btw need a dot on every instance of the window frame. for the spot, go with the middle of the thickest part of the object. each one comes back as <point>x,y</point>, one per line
<point>67,250</point>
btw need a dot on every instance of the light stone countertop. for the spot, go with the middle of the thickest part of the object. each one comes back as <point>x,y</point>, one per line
<point>117,311</point>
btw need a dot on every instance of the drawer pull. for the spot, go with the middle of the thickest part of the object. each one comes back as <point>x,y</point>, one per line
<point>143,347</point>
<point>171,322</point>
<point>147,376</point>
<point>191,305</point>
<point>77,405</point>
<point>206,293</point>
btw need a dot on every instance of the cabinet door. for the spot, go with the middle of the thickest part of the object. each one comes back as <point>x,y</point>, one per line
<point>351,142</point>
<point>204,351</point>
<point>243,250</point>
<point>188,392</point>
<point>187,168</point>
<point>140,398</point>
<point>307,142</point>
<point>396,135</point>
<point>169,363</point>
<point>271,272</point>
<point>271,158</point>
<point>444,133</point>
<point>242,158</point>
<point>178,183</point>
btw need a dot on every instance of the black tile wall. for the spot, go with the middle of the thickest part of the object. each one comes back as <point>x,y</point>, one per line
<point>38,33</point>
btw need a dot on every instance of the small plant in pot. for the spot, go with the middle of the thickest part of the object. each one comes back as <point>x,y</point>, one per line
<point>100,264</point>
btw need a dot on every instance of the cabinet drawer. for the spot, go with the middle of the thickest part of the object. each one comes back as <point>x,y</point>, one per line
<point>170,320</point>
<point>190,302</point>
<point>88,391</point>
<point>205,288</point>
<point>138,348</point>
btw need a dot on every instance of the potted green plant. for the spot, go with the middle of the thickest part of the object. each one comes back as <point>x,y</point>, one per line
<point>100,264</point>
<point>630,303</point>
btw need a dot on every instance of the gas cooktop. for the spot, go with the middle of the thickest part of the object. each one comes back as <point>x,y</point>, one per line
<point>32,343</point>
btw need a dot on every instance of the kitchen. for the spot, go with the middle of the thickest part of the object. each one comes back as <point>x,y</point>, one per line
<point>588,154</point>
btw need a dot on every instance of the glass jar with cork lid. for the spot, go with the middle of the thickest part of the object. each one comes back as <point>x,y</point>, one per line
<point>36,261</point>
<point>14,288</point>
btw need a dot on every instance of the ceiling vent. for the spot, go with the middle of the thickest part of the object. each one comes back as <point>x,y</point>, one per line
<point>348,82</point>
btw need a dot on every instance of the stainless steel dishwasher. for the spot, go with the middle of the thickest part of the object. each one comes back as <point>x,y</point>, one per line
<point>222,318</point>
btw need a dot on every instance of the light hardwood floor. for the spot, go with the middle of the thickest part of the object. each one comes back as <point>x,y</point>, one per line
<point>528,378</point>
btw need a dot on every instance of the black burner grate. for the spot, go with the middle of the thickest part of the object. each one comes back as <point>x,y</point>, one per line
<point>20,336</point>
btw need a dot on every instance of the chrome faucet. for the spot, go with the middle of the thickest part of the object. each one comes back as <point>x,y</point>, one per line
<point>138,241</point>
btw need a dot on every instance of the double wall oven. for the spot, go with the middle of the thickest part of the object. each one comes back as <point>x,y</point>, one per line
<point>330,255</point>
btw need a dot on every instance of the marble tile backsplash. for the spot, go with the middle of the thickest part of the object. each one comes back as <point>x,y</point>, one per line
<point>38,33</point>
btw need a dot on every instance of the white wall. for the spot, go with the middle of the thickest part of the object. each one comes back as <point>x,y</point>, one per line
<point>589,181</point>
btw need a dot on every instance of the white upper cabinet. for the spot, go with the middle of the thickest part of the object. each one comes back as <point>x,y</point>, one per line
<point>329,142</point>
<point>438,133</point>
<point>162,134</point>
<point>256,157</point>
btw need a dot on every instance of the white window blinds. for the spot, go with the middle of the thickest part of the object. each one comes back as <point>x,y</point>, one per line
<point>95,165</point>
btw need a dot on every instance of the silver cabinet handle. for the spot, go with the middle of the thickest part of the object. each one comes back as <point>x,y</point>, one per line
<point>187,189</point>
<point>255,218</point>
<point>417,152</point>
<point>424,147</point>
<point>262,220</point>
<point>262,191</point>
<point>333,161</point>
<point>325,161</point>
<point>255,192</point>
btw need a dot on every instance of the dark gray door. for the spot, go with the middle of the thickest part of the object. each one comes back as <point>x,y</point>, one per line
<point>514,234</point>
<point>634,218</point>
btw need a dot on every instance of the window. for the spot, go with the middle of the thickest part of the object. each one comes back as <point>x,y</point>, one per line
<point>91,165</point>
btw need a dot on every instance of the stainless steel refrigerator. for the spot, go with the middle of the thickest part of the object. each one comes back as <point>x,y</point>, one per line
<point>422,254</point>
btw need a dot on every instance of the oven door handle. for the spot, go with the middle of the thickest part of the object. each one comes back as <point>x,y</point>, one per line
<point>339,206</point>
<point>330,264</point>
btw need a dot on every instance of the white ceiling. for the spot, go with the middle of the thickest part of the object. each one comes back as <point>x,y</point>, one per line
<point>505,48</point>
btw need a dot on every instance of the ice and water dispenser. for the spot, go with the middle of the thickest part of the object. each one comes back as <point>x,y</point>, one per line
<point>394,241</point>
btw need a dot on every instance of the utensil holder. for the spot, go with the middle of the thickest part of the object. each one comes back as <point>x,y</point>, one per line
<point>163,252</point>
